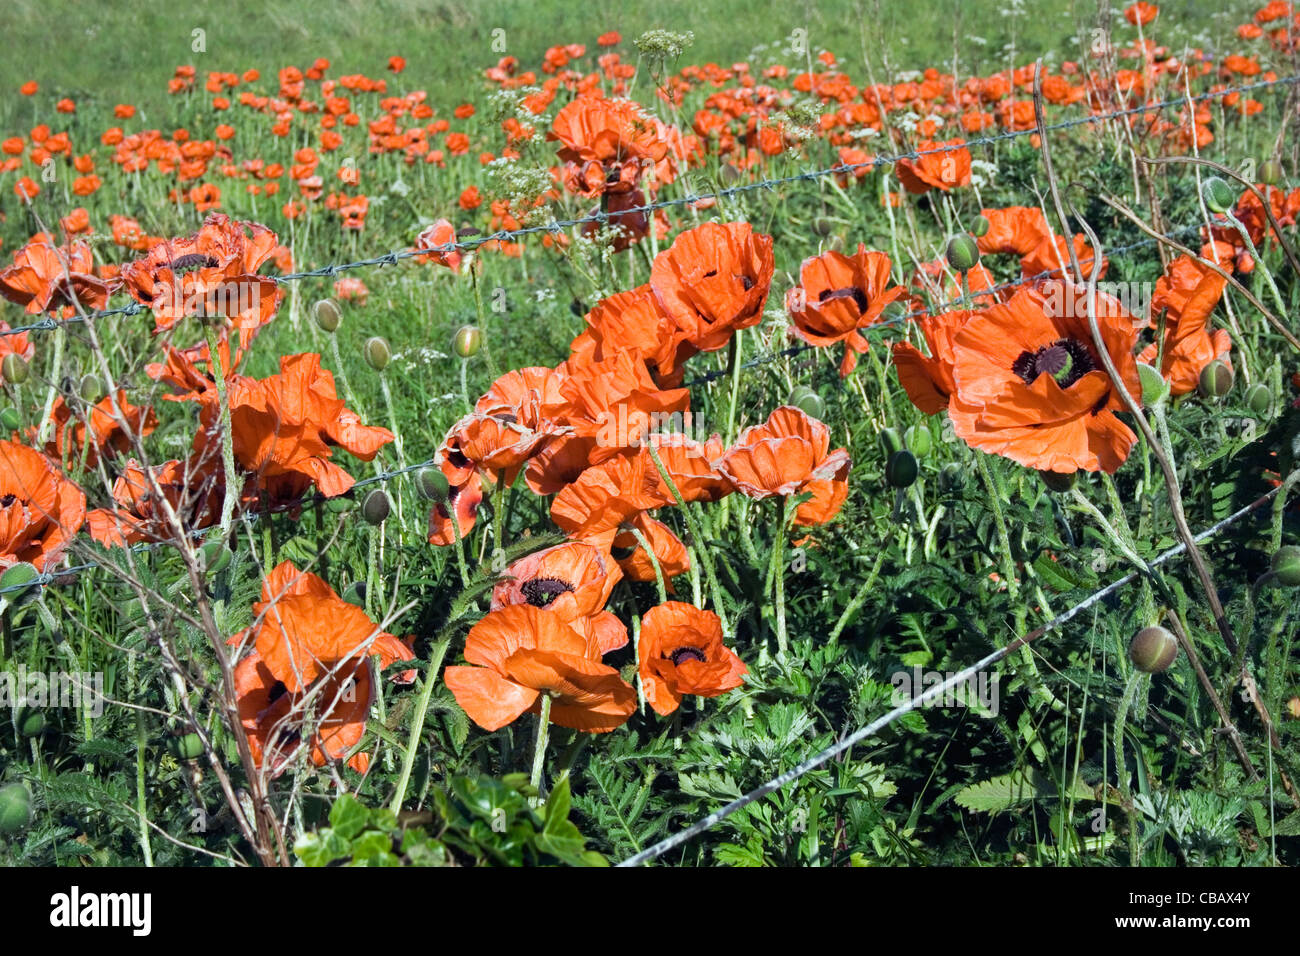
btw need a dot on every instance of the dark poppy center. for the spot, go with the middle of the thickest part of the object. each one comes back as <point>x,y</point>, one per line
<point>853,292</point>
<point>540,592</point>
<point>7,500</point>
<point>189,263</point>
<point>687,654</point>
<point>1066,360</point>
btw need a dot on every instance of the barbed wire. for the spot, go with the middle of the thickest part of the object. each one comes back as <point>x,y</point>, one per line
<point>602,216</point>
<point>953,681</point>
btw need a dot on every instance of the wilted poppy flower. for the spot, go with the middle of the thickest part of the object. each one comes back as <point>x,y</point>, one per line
<point>941,166</point>
<point>286,427</point>
<point>523,652</point>
<point>681,654</point>
<point>787,455</point>
<point>573,580</point>
<point>1031,387</point>
<point>40,510</point>
<point>44,278</point>
<point>1187,295</point>
<point>211,273</point>
<point>838,296</point>
<point>713,281</point>
<point>106,431</point>
<point>193,490</point>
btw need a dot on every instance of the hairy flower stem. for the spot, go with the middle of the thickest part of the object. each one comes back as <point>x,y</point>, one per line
<point>56,373</point>
<point>778,575</point>
<point>654,562</point>
<point>234,484</point>
<point>417,722</point>
<point>539,748</point>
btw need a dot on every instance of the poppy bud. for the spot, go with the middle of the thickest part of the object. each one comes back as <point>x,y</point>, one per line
<point>355,593</point>
<point>467,341</point>
<point>1154,387</point>
<point>14,369</point>
<point>91,389</point>
<point>10,420</point>
<point>963,252</point>
<point>377,353</point>
<point>1153,650</point>
<point>901,469</point>
<point>1259,399</point>
<point>339,505</point>
<point>1286,566</point>
<point>1216,379</point>
<point>1058,481</point>
<point>980,226</point>
<point>890,440</point>
<point>327,315</point>
<point>30,722</point>
<point>1270,172</point>
<point>433,484</point>
<point>376,507</point>
<point>951,477</point>
<point>823,225</point>
<point>918,440</point>
<point>15,808</point>
<point>808,401</point>
<point>214,557</point>
<point>15,578</point>
<point>187,747</point>
<point>729,174</point>
<point>1217,195</point>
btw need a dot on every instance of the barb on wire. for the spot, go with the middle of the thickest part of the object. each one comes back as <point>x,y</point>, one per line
<point>602,216</point>
<point>955,680</point>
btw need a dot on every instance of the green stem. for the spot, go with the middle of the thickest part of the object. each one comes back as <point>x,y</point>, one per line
<point>234,484</point>
<point>417,722</point>
<point>539,749</point>
<point>778,575</point>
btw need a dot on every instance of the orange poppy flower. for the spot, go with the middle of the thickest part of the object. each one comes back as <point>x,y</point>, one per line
<point>44,278</point>
<point>1030,386</point>
<point>192,489</point>
<point>211,273</point>
<point>40,510</point>
<point>606,145</point>
<point>927,379</point>
<point>441,233</point>
<point>614,403</point>
<point>1050,259</point>
<point>285,428</point>
<point>573,580</point>
<point>713,281</point>
<point>635,321</point>
<point>605,496</point>
<point>105,425</point>
<point>1015,230</point>
<point>1187,294</point>
<point>523,652</point>
<point>464,495</point>
<point>1141,13</point>
<point>944,170</point>
<point>681,653</point>
<point>787,455</point>
<point>839,295</point>
<point>670,553</point>
<point>496,441</point>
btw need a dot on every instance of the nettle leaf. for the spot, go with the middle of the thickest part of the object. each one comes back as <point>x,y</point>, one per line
<point>348,816</point>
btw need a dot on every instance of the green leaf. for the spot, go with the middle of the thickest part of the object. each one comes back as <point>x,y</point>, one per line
<point>348,816</point>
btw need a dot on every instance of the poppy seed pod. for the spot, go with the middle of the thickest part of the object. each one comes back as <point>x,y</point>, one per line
<point>1286,566</point>
<point>808,401</point>
<point>963,252</point>
<point>980,226</point>
<point>185,747</point>
<point>1217,195</point>
<point>17,576</point>
<point>15,808</point>
<point>1270,172</point>
<point>327,315</point>
<point>433,484</point>
<point>901,469</point>
<point>1154,387</point>
<point>1153,650</point>
<point>214,557</point>
<point>30,722</point>
<point>13,369</point>
<point>1058,481</point>
<point>376,507</point>
<point>891,440</point>
<point>91,389</point>
<point>467,341</point>
<point>377,353</point>
<point>1259,399</point>
<point>10,420</point>
<point>823,225</point>
<point>918,440</point>
<point>1216,379</point>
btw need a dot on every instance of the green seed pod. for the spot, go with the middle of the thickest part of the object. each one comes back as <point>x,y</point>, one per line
<point>1216,379</point>
<point>980,226</point>
<point>951,477</point>
<point>14,369</point>
<point>1286,566</point>
<point>327,315</point>
<point>963,252</point>
<point>377,353</point>
<point>15,808</point>
<point>1259,399</point>
<point>901,469</point>
<point>376,507</point>
<point>91,389</point>
<point>433,484</point>
<point>1154,387</point>
<point>891,440</point>
<point>340,505</point>
<point>729,174</point>
<point>30,722</point>
<point>1058,481</point>
<point>467,341</point>
<point>185,747</point>
<point>1217,194</point>
<point>214,557</point>
<point>918,440</point>
<point>10,420</point>
<point>1153,650</point>
<point>823,225</point>
<point>809,402</point>
<point>355,593</point>
<point>1270,172</point>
